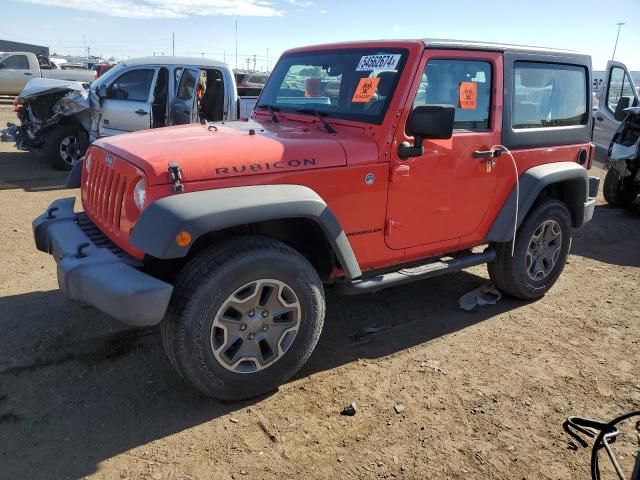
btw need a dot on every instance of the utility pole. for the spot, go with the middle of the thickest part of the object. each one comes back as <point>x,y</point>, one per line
<point>84,44</point>
<point>236,43</point>
<point>267,60</point>
<point>224,56</point>
<point>173,44</point>
<point>615,47</point>
<point>254,62</point>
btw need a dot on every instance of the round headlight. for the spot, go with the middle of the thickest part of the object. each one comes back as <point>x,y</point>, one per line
<point>87,162</point>
<point>140,193</point>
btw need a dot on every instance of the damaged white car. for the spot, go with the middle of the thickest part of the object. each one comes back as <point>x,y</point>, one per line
<point>60,118</point>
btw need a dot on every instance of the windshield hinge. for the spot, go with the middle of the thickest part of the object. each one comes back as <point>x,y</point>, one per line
<point>175,177</point>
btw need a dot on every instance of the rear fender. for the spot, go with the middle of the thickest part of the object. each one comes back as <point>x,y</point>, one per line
<point>204,212</point>
<point>572,182</point>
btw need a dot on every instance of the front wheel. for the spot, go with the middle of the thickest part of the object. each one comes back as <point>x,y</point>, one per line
<point>245,316</point>
<point>618,192</point>
<point>542,246</point>
<point>64,145</point>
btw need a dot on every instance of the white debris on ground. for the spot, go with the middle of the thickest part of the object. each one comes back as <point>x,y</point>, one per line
<point>486,294</point>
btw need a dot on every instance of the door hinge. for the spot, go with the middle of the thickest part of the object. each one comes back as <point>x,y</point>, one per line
<point>401,170</point>
<point>393,226</point>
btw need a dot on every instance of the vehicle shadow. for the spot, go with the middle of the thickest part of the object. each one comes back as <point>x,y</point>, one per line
<point>77,388</point>
<point>610,237</point>
<point>29,172</point>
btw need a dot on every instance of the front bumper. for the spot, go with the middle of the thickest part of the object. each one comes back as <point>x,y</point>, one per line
<point>590,204</point>
<point>92,273</point>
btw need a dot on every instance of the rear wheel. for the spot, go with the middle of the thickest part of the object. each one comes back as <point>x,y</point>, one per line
<point>542,246</point>
<point>245,316</point>
<point>618,192</point>
<point>65,145</point>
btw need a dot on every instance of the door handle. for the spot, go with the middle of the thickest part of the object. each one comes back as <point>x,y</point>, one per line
<point>600,118</point>
<point>486,154</point>
<point>28,73</point>
<point>141,112</point>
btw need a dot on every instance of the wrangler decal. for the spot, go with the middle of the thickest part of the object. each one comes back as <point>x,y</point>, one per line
<point>364,232</point>
<point>265,167</point>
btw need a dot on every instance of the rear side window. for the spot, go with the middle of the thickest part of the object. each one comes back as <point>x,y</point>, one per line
<point>549,95</point>
<point>187,85</point>
<point>135,85</point>
<point>19,62</point>
<point>465,84</point>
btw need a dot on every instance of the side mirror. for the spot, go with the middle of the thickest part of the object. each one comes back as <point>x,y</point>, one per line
<point>102,91</point>
<point>427,121</point>
<point>623,102</point>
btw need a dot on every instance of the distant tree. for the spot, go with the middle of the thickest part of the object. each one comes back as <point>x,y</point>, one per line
<point>311,72</point>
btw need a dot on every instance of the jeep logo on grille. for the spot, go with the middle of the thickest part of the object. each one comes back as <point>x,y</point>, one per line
<point>108,160</point>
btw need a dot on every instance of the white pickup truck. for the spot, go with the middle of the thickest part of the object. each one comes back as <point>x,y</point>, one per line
<point>17,68</point>
<point>61,118</point>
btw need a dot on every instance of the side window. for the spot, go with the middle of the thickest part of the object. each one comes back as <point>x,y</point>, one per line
<point>549,95</point>
<point>619,86</point>
<point>177,73</point>
<point>133,85</point>
<point>19,62</point>
<point>187,85</point>
<point>465,84</point>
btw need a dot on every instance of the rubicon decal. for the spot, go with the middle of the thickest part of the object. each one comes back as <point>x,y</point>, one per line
<point>266,166</point>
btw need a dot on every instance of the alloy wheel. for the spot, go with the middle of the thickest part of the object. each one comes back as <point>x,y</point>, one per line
<point>543,250</point>
<point>255,326</point>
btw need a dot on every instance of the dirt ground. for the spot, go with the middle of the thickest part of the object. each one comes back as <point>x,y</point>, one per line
<point>485,393</point>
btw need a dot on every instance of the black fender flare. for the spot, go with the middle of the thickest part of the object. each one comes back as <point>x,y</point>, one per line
<point>207,211</point>
<point>532,182</point>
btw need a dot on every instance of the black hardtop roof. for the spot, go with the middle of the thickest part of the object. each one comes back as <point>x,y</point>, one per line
<point>499,47</point>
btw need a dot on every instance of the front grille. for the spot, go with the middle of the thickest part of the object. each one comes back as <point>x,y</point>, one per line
<point>106,188</point>
<point>100,240</point>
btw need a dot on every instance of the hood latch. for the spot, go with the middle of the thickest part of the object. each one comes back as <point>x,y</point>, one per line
<point>175,176</point>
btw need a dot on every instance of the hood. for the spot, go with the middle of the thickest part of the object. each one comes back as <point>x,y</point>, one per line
<point>45,86</point>
<point>225,150</point>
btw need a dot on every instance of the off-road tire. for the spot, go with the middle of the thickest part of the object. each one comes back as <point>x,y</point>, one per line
<point>618,193</point>
<point>54,139</point>
<point>509,273</point>
<point>202,287</point>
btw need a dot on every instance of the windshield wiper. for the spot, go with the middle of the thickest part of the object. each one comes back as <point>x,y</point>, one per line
<point>271,109</point>
<point>320,116</point>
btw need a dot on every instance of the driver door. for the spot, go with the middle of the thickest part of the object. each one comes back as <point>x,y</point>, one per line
<point>446,193</point>
<point>617,84</point>
<point>184,108</point>
<point>127,106</point>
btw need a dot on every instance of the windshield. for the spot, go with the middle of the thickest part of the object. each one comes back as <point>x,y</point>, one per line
<point>353,84</point>
<point>107,76</point>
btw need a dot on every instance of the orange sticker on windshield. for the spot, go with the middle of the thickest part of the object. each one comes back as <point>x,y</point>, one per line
<point>468,95</point>
<point>365,90</point>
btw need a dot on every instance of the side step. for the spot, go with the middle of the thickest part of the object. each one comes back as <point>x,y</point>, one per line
<point>406,275</point>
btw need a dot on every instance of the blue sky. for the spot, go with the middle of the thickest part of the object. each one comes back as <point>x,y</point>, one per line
<point>130,28</point>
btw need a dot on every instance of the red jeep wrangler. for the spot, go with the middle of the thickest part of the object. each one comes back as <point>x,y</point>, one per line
<point>365,165</point>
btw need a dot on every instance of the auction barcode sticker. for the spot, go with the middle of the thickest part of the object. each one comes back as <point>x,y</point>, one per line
<point>377,62</point>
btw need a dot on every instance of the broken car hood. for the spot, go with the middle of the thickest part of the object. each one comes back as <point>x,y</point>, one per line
<point>232,149</point>
<point>44,86</point>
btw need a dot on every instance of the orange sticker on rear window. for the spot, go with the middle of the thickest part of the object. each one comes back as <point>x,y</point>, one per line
<point>468,95</point>
<point>365,90</point>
